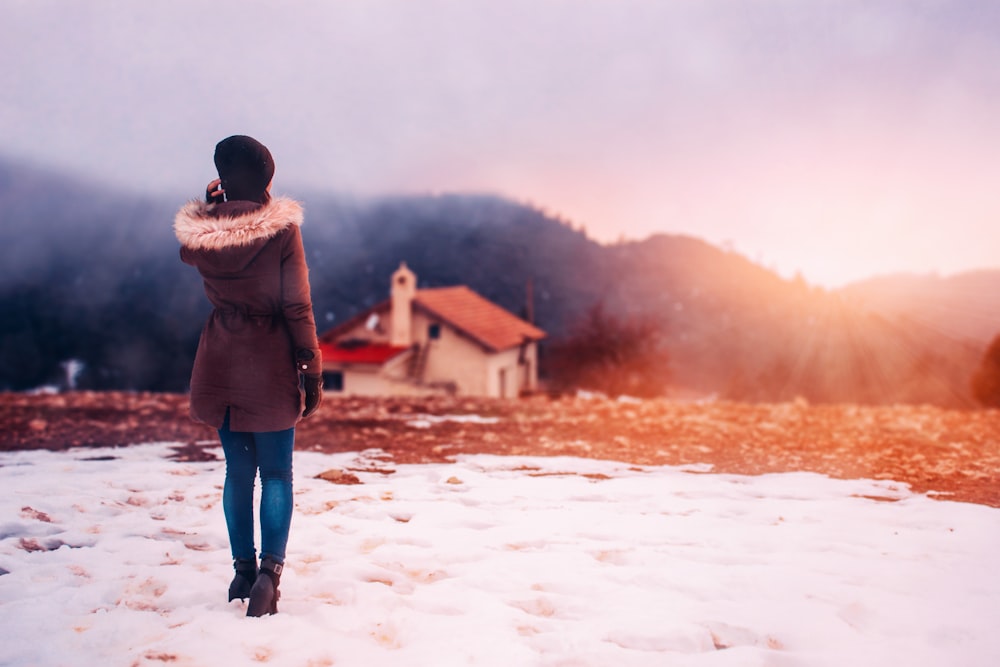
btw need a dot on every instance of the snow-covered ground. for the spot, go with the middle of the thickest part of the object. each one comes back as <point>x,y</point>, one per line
<point>120,557</point>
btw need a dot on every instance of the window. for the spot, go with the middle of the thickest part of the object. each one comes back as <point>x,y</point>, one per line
<point>434,331</point>
<point>333,380</point>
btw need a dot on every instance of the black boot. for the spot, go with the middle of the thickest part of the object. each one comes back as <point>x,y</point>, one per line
<point>246,575</point>
<point>264,594</point>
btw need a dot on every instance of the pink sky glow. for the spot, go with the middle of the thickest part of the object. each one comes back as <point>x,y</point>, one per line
<point>836,138</point>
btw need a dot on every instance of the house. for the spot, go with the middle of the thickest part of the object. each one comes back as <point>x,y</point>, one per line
<point>434,340</point>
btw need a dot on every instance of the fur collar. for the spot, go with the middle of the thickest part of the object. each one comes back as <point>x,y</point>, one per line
<point>198,229</point>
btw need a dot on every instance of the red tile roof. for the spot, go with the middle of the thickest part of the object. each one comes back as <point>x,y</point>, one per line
<point>365,353</point>
<point>482,320</point>
<point>477,317</point>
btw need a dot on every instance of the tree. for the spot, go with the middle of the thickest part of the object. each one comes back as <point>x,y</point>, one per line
<point>986,381</point>
<point>610,355</point>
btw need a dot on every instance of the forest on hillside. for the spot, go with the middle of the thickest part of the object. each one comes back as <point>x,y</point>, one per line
<point>93,295</point>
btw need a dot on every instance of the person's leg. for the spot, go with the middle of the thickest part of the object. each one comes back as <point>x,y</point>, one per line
<point>274,458</point>
<point>237,494</point>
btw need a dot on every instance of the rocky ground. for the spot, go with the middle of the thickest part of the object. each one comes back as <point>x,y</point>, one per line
<point>953,453</point>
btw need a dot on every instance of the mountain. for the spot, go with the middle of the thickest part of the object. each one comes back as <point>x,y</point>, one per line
<point>92,275</point>
<point>965,306</point>
<point>740,331</point>
<point>494,245</point>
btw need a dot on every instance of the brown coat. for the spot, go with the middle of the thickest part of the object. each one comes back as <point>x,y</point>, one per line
<point>254,268</point>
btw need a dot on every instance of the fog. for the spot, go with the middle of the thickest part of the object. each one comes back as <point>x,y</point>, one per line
<point>839,139</point>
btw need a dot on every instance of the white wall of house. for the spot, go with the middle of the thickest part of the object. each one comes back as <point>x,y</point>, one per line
<point>476,371</point>
<point>529,368</point>
<point>504,375</point>
<point>513,371</point>
<point>452,357</point>
<point>362,383</point>
<point>373,380</point>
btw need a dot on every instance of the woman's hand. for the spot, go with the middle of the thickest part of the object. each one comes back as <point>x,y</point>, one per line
<point>214,194</point>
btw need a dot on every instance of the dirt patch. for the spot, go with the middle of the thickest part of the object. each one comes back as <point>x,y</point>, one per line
<point>954,453</point>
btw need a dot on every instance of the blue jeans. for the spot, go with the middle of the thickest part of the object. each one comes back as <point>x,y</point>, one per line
<point>246,453</point>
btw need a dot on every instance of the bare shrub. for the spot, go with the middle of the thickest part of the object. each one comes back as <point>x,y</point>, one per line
<point>986,381</point>
<point>612,355</point>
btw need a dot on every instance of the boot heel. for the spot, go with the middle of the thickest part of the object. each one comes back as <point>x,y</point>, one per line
<point>264,594</point>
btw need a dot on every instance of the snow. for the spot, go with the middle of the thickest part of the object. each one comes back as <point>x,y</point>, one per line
<point>426,421</point>
<point>120,557</point>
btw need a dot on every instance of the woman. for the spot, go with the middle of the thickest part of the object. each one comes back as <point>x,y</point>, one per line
<point>260,337</point>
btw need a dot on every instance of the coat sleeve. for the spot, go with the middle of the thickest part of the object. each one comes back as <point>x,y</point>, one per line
<point>296,303</point>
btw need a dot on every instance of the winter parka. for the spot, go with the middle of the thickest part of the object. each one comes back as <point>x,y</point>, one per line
<point>255,275</point>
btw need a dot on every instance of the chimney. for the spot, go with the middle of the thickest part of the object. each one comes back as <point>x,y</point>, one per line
<point>401,293</point>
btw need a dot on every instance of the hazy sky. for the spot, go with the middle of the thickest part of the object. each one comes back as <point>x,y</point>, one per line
<point>840,139</point>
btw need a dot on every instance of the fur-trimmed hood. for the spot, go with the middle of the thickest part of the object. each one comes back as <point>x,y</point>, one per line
<point>199,227</point>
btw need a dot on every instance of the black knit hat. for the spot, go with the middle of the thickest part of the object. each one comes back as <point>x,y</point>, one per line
<point>245,167</point>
